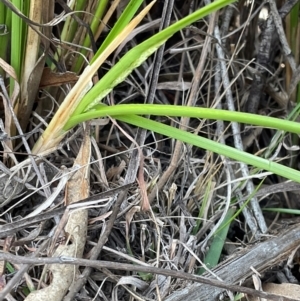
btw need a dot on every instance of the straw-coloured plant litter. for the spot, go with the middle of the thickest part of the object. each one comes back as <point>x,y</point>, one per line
<point>146,146</point>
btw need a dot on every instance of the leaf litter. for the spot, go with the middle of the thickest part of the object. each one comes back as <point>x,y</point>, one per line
<point>188,189</point>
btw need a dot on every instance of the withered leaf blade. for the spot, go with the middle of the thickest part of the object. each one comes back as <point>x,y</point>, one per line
<point>52,79</point>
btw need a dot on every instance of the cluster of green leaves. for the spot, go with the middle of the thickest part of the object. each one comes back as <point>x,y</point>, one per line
<point>85,104</point>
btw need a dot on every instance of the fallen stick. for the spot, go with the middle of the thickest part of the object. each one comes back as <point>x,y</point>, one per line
<point>237,268</point>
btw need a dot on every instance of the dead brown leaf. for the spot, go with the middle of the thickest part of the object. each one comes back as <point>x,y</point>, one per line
<point>50,78</point>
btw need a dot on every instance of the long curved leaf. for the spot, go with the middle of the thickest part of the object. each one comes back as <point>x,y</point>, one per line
<point>183,111</point>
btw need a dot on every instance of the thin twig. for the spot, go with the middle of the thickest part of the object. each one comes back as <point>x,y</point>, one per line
<point>238,140</point>
<point>99,264</point>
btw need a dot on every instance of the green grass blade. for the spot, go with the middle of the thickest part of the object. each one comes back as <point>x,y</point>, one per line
<point>212,146</point>
<point>71,26</point>
<point>202,208</point>
<point>3,12</point>
<point>183,111</point>
<point>69,29</point>
<point>283,210</point>
<point>5,17</point>
<point>96,21</point>
<point>16,39</point>
<point>294,21</point>
<point>123,20</point>
<point>213,255</point>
